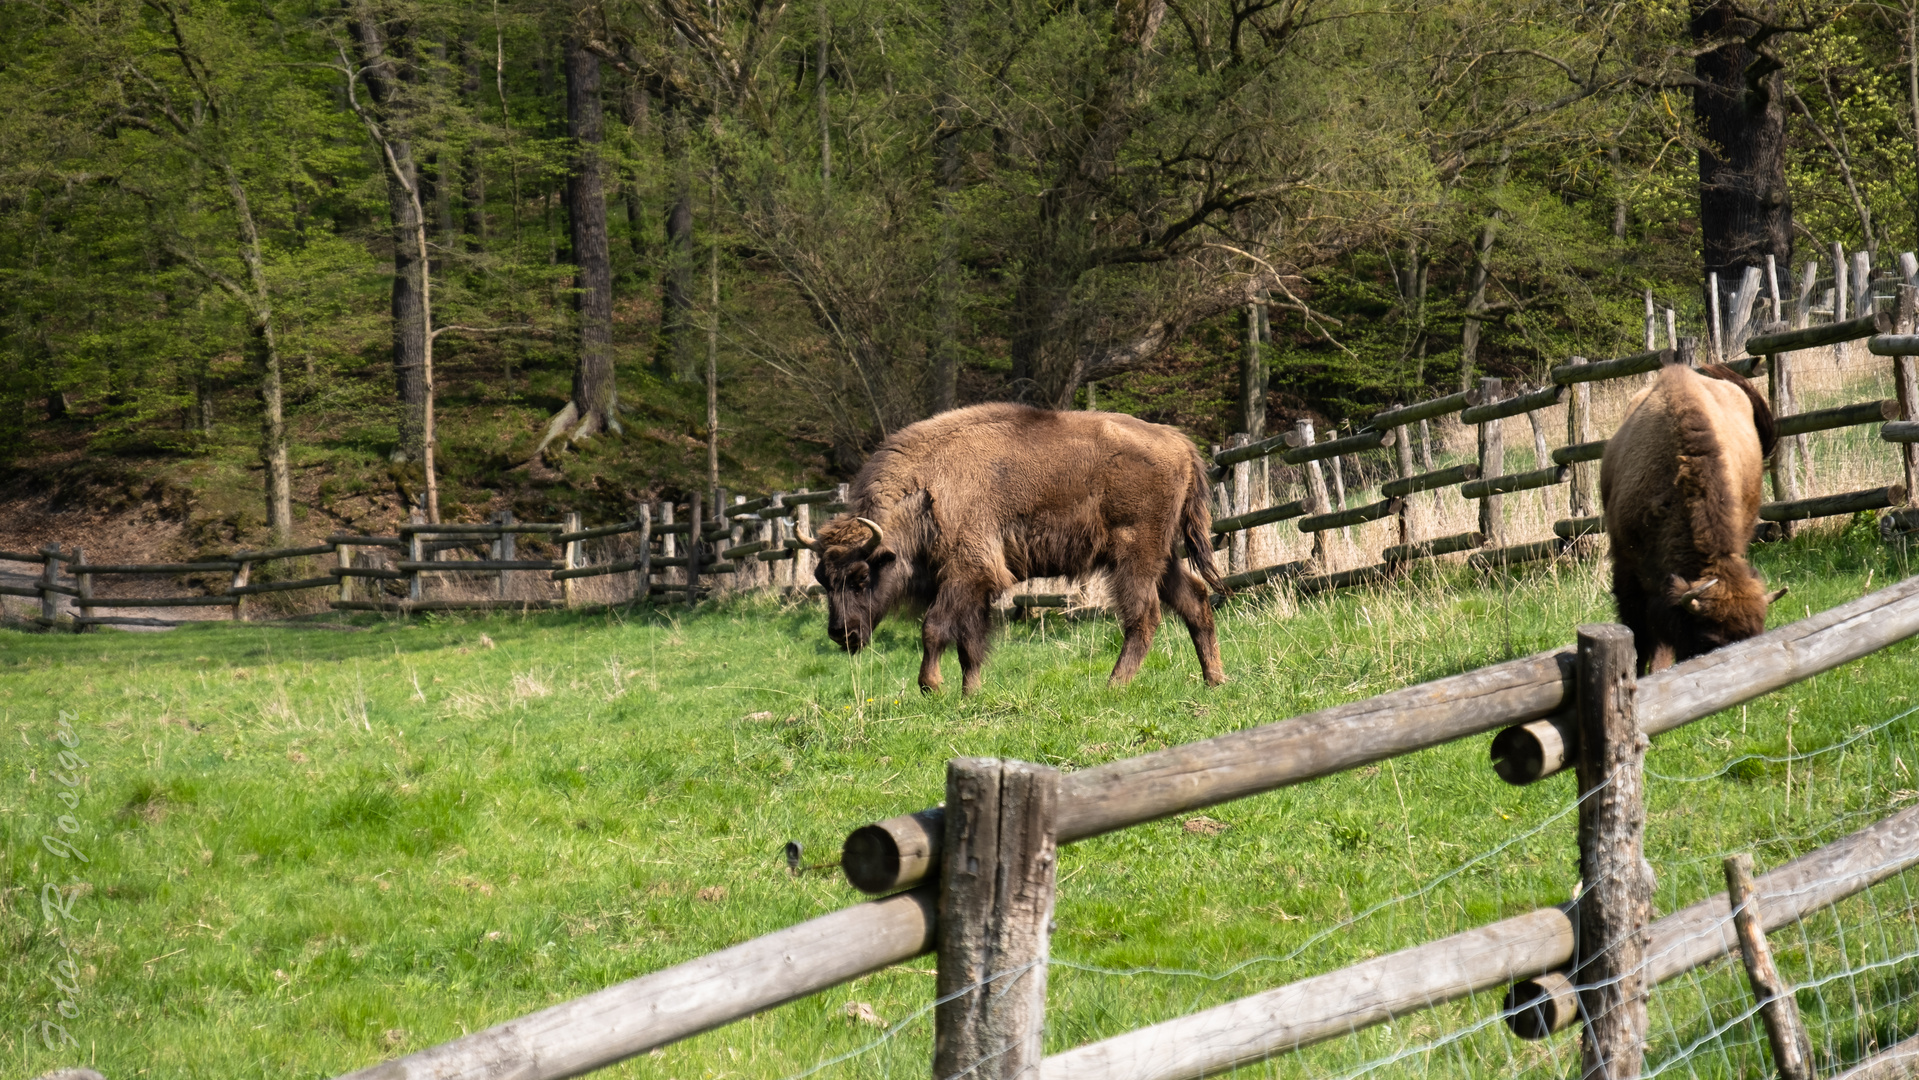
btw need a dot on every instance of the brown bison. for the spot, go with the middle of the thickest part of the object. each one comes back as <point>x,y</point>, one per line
<point>950,512</point>
<point>1681,484</point>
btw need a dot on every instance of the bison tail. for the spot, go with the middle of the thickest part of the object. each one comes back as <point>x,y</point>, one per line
<point>1196,527</point>
<point>1762,420</point>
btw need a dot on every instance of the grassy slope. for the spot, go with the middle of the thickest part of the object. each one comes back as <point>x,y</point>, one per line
<point>314,849</point>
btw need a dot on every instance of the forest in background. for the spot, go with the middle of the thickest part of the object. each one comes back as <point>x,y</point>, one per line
<point>267,260</point>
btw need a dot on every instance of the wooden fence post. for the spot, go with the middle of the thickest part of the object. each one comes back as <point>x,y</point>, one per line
<point>1579,425</point>
<point>643,562</point>
<point>1542,459</point>
<point>1316,491</point>
<point>1788,451</point>
<point>743,576</point>
<point>1802,309</point>
<point>1492,462</point>
<point>1403,457</point>
<point>1241,503</point>
<point>343,553</point>
<point>1615,907</point>
<point>1791,1049</point>
<point>695,525</point>
<point>1716,339</point>
<point>1652,324</point>
<point>802,557</point>
<point>1861,284</point>
<point>1905,374</point>
<point>1840,292</point>
<point>775,534</point>
<point>505,546</point>
<point>84,583</point>
<point>415,552</point>
<point>569,557</point>
<point>49,576</point>
<point>997,879</point>
<point>240,578</point>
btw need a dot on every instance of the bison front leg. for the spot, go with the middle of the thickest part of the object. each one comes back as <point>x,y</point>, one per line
<point>934,637</point>
<point>1138,603</point>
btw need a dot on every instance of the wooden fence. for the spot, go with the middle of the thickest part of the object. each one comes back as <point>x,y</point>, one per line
<point>973,880</point>
<point>751,543</point>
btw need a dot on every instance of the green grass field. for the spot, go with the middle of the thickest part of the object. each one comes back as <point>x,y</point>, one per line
<point>312,849</point>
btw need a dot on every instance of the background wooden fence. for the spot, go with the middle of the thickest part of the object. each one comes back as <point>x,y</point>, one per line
<point>746,543</point>
<point>973,880</point>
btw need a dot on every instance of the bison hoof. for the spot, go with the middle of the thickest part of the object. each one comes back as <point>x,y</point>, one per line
<point>929,687</point>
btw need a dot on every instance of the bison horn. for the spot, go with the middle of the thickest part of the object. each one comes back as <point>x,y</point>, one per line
<point>879,536</point>
<point>1696,591</point>
<point>811,542</point>
<point>1773,596</point>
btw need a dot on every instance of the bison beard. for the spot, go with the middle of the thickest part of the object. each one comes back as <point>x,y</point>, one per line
<point>951,512</point>
<point>1681,485</point>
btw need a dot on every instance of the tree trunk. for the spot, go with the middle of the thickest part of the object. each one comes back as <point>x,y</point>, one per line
<point>384,82</point>
<point>635,112</point>
<point>1252,377</point>
<point>947,138</point>
<point>674,354</point>
<point>595,403</point>
<point>472,174</point>
<point>1745,210</point>
<point>264,352</point>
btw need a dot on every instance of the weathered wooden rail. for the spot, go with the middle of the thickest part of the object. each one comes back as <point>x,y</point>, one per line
<point>1001,822</point>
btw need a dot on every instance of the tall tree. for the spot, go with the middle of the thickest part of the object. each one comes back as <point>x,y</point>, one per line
<point>387,68</point>
<point>595,403</point>
<point>1745,208</point>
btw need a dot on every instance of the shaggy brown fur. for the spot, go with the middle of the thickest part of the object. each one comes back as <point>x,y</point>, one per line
<point>1681,487</point>
<point>974,500</point>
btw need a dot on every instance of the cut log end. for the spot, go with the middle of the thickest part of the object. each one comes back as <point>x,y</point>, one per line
<point>1534,751</point>
<point>1536,1008</point>
<point>893,854</point>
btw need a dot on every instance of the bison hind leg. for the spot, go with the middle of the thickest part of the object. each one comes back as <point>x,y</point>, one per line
<point>1635,607</point>
<point>1187,596</point>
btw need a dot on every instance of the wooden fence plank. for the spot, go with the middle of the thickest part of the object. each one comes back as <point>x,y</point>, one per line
<point>1791,1049</point>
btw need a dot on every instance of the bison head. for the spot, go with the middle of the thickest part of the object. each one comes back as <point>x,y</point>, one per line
<point>1716,610</point>
<point>861,576</point>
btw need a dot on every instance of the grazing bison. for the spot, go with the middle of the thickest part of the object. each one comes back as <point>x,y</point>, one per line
<point>952,511</point>
<point>1681,483</point>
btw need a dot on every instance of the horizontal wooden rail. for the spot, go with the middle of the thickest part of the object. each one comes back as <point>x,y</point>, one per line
<point>1513,406</point>
<point>1351,444</point>
<point>638,1015</point>
<point>1636,364</point>
<point>621,567</point>
<point>285,586</point>
<point>1516,554</point>
<point>1426,549</point>
<point>1732,675</point>
<point>20,590</point>
<point>21,556</point>
<point>1440,478</point>
<point>750,506</point>
<point>1900,1061</point>
<point>1337,1003</point>
<point>1423,410</point>
<point>743,550</point>
<point>599,531</point>
<point>669,560</point>
<point>1257,518</point>
<point>1526,481</point>
<point>475,566</point>
<point>1864,412</point>
<point>1893,345</point>
<point>1829,505</point>
<point>1900,431</point>
<point>1357,515</point>
<point>159,601</point>
<point>342,540</point>
<point>379,572</point>
<point>156,568</point>
<point>134,620</point>
<point>1574,528</point>
<point>809,498</point>
<point>1578,452</point>
<point>281,553</point>
<point>1261,576</point>
<point>446,605</point>
<point>482,530</point>
<point>1326,1006</point>
<point>1120,794</point>
<point>774,556</point>
<point>1813,337</point>
<point>1047,600</point>
<point>1251,451</point>
<point>1344,579</point>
